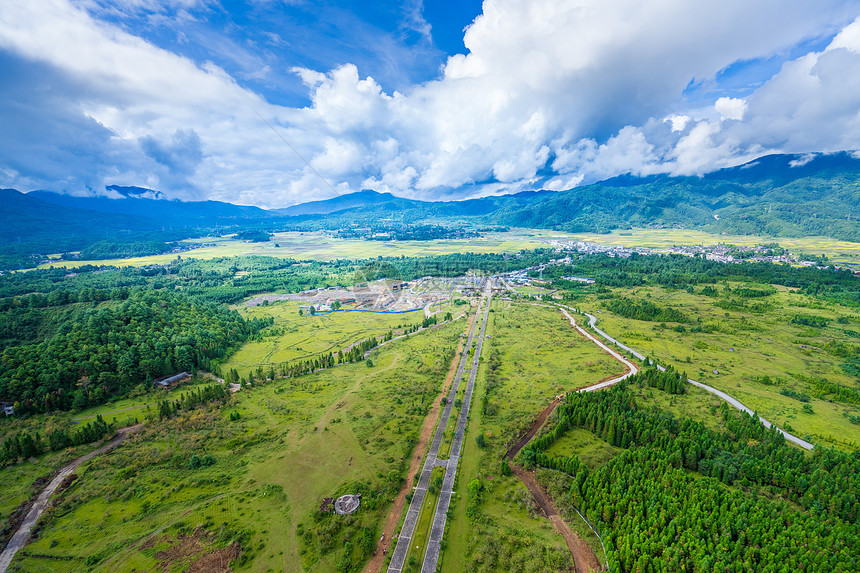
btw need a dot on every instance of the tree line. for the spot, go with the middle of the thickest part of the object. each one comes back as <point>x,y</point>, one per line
<point>25,445</point>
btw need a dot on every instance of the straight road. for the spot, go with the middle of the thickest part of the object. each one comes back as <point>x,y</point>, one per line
<point>434,543</point>
<point>398,557</point>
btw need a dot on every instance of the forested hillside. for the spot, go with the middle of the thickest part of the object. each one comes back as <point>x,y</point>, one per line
<point>96,351</point>
<point>682,497</point>
<point>774,195</point>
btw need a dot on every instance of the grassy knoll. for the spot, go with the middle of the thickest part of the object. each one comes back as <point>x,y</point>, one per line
<point>344,430</point>
<point>838,251</point>
<point>320,246</point>
<point>756,351</point>
<point>293,337</point>
<point>531,356</point>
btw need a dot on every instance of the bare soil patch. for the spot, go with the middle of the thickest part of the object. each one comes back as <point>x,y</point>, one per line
<point>196,550</point>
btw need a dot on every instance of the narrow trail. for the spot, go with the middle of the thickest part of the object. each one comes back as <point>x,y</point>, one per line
<point>21,537</point>
<point>376,563</point>
<point>584,559</point>
<point>631,368</point>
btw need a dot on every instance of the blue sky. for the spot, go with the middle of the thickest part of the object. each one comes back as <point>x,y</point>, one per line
<point>257,43</point>
<point>426,99</point>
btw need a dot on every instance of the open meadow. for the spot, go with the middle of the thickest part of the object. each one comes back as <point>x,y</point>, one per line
<point>271,455</point>
<point>299,337</point>
<point>532,355</point>
<point>759,352</point>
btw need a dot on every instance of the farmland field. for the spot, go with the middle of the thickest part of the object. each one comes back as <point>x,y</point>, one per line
<point>321,246</point>
<point>838,251</point>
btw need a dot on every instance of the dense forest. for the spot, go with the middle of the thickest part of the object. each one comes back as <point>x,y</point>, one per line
<point>92,352</point>
<point>683,497</point>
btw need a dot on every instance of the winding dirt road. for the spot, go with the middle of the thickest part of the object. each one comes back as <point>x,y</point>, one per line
<point>22,536</point>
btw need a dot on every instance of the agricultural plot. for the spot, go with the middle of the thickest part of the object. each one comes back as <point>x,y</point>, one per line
<point>264,464</point>
<point>837,251</point>
<point>531,356</point>
<point>320,246</point>
<point>759,351</point>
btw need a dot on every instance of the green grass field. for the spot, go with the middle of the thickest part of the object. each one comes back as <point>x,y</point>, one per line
<point>747,344</point>
<point>321,246</point>
<point>294,337</point>
<point>296,441</point>
<point>538,355</point>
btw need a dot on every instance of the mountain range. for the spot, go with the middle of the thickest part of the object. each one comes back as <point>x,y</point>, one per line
<point>777,195</point>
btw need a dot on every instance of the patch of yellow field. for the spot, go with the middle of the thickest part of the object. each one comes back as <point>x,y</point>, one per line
<point>321,246</point>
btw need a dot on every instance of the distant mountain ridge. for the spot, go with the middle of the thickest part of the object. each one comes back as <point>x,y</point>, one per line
<point>777,195</point>
<point>159,210</point>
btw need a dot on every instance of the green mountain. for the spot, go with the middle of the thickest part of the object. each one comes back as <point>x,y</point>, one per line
<point>778,195</point>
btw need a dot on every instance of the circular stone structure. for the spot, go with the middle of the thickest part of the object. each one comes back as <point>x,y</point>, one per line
<point>347,504</point>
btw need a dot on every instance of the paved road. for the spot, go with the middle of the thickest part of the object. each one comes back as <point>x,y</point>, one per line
<point>592,322</point>
<point>21,536</point>
<point>434,543</point>
<point>398,557</point>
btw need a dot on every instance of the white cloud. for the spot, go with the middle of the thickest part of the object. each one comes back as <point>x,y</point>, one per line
<point>677,121</point>
<point>731,108</point>
<point>578,84</point>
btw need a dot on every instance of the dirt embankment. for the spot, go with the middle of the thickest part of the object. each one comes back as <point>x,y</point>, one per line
<point>196,548</point>
<point>583,557</point>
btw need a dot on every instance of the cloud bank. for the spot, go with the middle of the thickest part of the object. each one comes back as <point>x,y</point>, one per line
<point>550,94</point>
